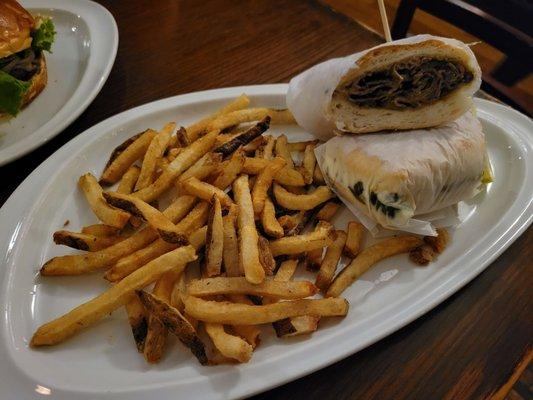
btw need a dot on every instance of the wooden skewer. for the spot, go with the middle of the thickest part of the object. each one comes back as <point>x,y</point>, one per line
<point>384,20</point>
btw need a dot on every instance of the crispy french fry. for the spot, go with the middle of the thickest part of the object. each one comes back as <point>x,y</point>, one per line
<point>205,191</point>
<point>287,176</point>
<point>82,241</point>
<point>438,243</point>
<point>182,138</point>
<point>138,320</point>
<point>354,237</point>
<point>155,218</point>
<point>225,312</point>
<point>268,148</point>
<point>263,182</point>
<point>328,211</point>
<point>127,183</point>
<point>187,157</point>
<point>251,115</point>
<point>175,323</point>
<point>254,145</point>
<point>330,261</point>
<point>309,163</point>
<point>248,237</point>
<point>368,257</point>
<point>125,155</point>
<point>265,256</point>
<point>229,170</point>
<point>318,177</point>
<point>229,345</point>
<point>201,169</point>
<point>313,259</point>
<point>283,151</point>
<point>300,146</point>
<point>303,201</point>
<point>118,295</point>
<point>286,270</point>
<point>214,239</point>
<point>320,237</point>
<point>422,255</point>
<point>100,230</point>
<point>244,138</point>
<point>231,246</point>
<point>268,219</point>
<point>155,151</point>
<point>94,195</point>
<point>250,333</point>
<point>290,223</point>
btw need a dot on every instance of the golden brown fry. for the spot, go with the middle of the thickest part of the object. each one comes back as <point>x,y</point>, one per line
<point>90,312</point>
<point>229,345</point>
<point>287,176</point>
<point>286,270</point>
<point>320,237</point>
<point>205,191</point>
<point>331,259</point>
<point>155,218</point>
<point>248,237</point>
<point>268,219</point>
<point>300,146</point>
<point>263,182</point>
<point>155,151</point>
<point>138,320</point>
<point>313,259</point>
<point>267,150</point>
<point>296,326</point>
<point>422,255</point>
<point>187,157</point>
<point>253,145</point>
<point>228,171</point>
<point>438,243</point>
<point>201,169</point>
<point>225,312</point>
<point>318,177</point>
<point>214,239</point>
<point>265,256</point>
<point>303,201</point>
<point>251,115</point>
<point>309,163</point>
<point>368,257</point>
<point>125,155</point>
<point>231,246</point>
<point>127,183</point>
<point>100,230</point>
<point>244,138</point>
<point>105,213</point>
<point>283,151</point>
<point>175,323</point>
<point>328,211</point>
<point>290,223</point>
<point>250,333</point>
<point>182,138</point>
<point>354,238</point>
<point>82,241</point>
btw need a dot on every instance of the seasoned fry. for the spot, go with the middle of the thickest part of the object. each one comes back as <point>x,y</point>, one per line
<point>187,157</point>
<point>283,151</point>
<point>320,237</point>
<point>368,257</point>
<point>205,191</point>
<point>313,259</point>
<point>127,183</point>
<point>287,176</point>
<point>250,333</point>
<point>438,243</point>
<point>286,270</point>
<point>155,218</point>
<point>328,211</point>
<point>303,201</point>
<point>82,241</point>
<point>309,163</point>
<point>182,139</point>
<point>138,320</point>
<point>231,246</point>
<point>94,195</point>
<point>100,230</point>
<point>254,145</point>
<point>353,239</point>
<point>300,146</point>
<point>201,169</point>
<point>251,115</point>
<point>175,323</point>
<point>125,155</point>
<point>268,219</point>
<point>265,256</point>
<point>290,223</point>
<point>248,238</point>
<point>90,312</point>
<point>214,240</point>
<point>244,138</point>
<point>330,261</point>
<point>263,182</point>
<point>318,177</point>
<point>422,255</point>
<point>229,345</point>
<point>267,149</point>
<point>155,151</point>
<point>224,312</point>
<point>228,171</point>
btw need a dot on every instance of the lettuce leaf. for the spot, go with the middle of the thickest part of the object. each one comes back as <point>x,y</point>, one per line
<point>11,93</point>
<point>43,36</point>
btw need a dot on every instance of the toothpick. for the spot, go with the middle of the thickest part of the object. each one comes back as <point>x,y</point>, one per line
<point>384,21</point>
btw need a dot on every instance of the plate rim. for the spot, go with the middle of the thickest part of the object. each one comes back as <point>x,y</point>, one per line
<point>443,291</point>
<point>79,100</point>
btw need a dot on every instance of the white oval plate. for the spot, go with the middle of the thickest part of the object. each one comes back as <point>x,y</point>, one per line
<point>83,53</point>
<point>102,362</point>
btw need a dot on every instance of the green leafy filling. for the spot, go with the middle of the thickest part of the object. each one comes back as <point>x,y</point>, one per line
<point>43,36</point>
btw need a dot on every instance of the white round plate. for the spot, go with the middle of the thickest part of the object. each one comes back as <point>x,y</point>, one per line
<point>102,362</point>
<point>83,53</point>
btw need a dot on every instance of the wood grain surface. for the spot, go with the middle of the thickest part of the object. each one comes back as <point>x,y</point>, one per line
<point>469,346</point>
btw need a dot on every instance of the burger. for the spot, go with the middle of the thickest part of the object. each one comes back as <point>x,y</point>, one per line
<point>23,40</point>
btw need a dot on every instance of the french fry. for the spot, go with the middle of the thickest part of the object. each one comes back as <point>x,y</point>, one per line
<point>182,138</point>
<point>286,270</point>
<point>125,155</point>
<point>100,230</point>
<point>320,237</point>
<point>250,333</point>
<point>228,171</point>
<point>82,241</point>
<point>438,243</point>
<point>330,261</point>
<point>173,153</point>
<point>155,151</point>
<point>251,115</point>
<point>268,219</point>
<point>300,146</point>
<point>263,182</point>
<point>248,237</point>
<point>318,177</point>
<point>138,320</point>
<point>205,191</point>
<point>422,255</point>
<point>201,169</point>
<point>239,285</point>
<point>92,311</point>
<point>195,130</point>
<point>313,259</point>
<point>187,157</point>
<point>303,201</point>
<point>225,312</point>
<point>127,183</point>
<point>370,256</point>
<point>290,223</point>
<point>229,345</point>
<point>283,151</point>
<point>328,211</point>
<point>244,138</point>
<point>231,246</point>
<point>354,237</point>
<point>175,323</point>
<point>214,239</point>
<point>94,195</point>
<point>265,256</point>
<point>155,218</point>
<point>287,176</point>
<point>254,145</point>
<point>309,163</point>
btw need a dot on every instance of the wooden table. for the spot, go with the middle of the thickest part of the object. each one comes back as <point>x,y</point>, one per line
<point>468,347</point>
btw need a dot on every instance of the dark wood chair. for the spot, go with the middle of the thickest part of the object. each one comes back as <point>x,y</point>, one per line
<point>514,43</point>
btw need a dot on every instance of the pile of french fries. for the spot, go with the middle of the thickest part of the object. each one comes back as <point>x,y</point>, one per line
<point>219,260</point>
